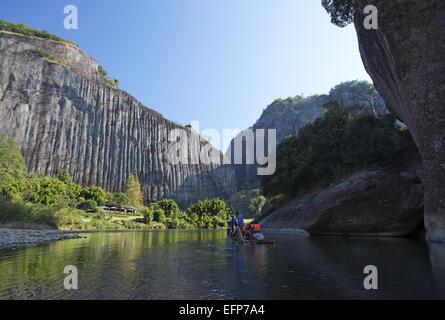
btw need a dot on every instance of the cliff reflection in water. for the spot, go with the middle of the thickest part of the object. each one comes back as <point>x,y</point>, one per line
<point>204,265</point>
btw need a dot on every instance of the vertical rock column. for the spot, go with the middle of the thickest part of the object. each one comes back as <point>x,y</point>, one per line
<point>405,57</point>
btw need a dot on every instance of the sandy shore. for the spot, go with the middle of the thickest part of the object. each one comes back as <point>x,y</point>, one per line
<point>11,238</point>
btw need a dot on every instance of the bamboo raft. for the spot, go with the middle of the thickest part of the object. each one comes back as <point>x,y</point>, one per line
<point>264,241</point>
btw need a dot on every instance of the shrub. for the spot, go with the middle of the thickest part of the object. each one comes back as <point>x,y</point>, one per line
<point>102,71</point>
<point>73,189</point>
<point>88,205</point>
<point>28,31</point>
<point>94,193</point>
<point>46,191</point>
<point>159,215</point>
<point>12,168</point>
<point>11,211</point>
<point>249,202</point>
<point>212,207</point>
<point>43,214</point>
<point>210,213</point>
<point>68,218</point>
<point>148,214</point>
<point>121,199</point>
<point>169,206</point>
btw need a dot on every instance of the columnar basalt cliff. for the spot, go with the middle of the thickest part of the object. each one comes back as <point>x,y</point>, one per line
<point>405,57</point>
<point>66,114</point>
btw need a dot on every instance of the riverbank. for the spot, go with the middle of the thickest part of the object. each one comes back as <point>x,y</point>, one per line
<point>11,238</point>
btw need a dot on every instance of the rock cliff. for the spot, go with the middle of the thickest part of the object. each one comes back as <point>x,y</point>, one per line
<point>66,115</point>
<point>369,203</point>
<point>289,115</point>
<point>405,57</point>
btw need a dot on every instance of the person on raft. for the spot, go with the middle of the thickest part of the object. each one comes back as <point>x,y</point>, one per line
<point>240,220</point>
<point>236,228</point>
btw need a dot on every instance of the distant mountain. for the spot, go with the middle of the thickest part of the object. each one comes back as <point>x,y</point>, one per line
<point>289,115</point>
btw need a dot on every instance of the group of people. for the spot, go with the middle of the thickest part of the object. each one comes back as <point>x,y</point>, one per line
<point>239,232</point>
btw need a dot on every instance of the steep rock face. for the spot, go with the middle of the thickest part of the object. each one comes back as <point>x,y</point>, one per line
<point>64,114</point>
<point>405,58</point>
<point>289,115</point>
<point>369,203</point>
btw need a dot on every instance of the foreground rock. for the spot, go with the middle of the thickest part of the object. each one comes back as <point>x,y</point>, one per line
<point>405,58</point>
<point>369,203</point>
<point>10,238</point>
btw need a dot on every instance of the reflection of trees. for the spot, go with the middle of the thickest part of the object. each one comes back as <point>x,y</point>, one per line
<point>102,258</point>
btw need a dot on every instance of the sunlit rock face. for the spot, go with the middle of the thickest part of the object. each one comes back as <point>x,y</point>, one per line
<point>289,116</point>
<point>65,114</point>
<point>405,57</point>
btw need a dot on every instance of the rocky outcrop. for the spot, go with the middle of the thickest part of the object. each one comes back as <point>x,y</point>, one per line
<point>12,238</point>
<point>66,115</point>
<point>288,116</point>
<point>405,57</point>
<point>369,203</point>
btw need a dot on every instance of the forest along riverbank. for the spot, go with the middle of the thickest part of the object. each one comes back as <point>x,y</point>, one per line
<point>11,238</point>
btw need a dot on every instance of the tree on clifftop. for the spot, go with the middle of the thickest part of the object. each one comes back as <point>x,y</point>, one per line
<point>341,11</point>
<point>134,192</point>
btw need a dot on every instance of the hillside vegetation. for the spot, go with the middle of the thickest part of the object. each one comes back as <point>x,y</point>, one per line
<point>342,142</point>
<point>28,199</point>
<point>28,31</point>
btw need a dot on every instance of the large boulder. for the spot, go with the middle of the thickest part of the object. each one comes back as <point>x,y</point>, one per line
<point>369,203</point>
<point>405,57</point>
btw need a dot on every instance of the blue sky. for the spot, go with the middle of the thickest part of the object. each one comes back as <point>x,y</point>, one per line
<point>217,61</point>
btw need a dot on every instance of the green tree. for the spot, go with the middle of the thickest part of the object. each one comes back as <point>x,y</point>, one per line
<point>341,11</point>
<point>134,192</point>
<point>12,168</point>
<point>242,201</point>
<point>159,215</point>
<point>209,213</point>
<point>88,205</point>
<point>169,206</point>
<point>148,214</point>
<point>73,189</point>
<point>94,193</point>
<point>46,190</point>
<point>121,199</point>
<point>256,204</point>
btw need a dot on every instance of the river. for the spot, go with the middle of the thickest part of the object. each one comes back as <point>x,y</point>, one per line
<point>204,265</point>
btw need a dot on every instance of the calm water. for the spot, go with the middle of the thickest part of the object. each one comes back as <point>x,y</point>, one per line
<point>204,265</point>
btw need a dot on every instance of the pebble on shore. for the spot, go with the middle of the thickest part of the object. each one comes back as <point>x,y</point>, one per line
<point>11,238</point>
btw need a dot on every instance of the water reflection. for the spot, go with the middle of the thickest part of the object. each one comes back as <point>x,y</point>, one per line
<point>204,265</point>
